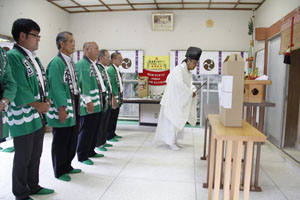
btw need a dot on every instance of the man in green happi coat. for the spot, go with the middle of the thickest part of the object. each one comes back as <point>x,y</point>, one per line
<point>117,95</point>
<point>103,63</point>
<point>64,110</point>
<point>26,117</point>
<point>92,93</point>
<point>8,89</point>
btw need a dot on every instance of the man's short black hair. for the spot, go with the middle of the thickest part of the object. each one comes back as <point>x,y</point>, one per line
<point>25,26</point>
<point>62,37</point>
<point>114,55</point>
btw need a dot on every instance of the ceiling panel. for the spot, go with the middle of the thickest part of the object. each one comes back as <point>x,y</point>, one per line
<point>97,8</point>
<point>251,1</point>
<point>144,6</point>
<point>164,1</point>
<point>139,1</point>
<point>201,1</point>
<point>196,6</point>
<point>75,9</point>
<point>65,3</point>
<point>120,7</point>
<point>170,6</point>
<point>222,6</point>
<point>115,1</point>
<point>246,6</point>
<point>225,1</point>
<point>134,5</point>
<point>88,2</point>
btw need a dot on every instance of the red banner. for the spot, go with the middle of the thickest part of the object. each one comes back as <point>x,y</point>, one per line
<point>156,77</point>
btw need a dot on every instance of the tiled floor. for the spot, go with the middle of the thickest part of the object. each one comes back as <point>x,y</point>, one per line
<point>135,169</point>
<point>295,153</point>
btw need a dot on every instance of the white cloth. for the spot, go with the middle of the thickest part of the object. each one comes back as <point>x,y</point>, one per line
<point>108,78</point>
<point>32,56</point>
<point>103,88</point>
<point>119,77</point>
<point>177,105</point>
<point>166,131</point>
<point>70,66</point>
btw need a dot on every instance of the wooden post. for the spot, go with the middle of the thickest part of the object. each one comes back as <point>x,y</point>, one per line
<point>248,163</point>
<point>211,165</point>
<point>254,117</point>
<point>236,171</point>
<point>205,140</point>
<point>227,172</point>
<point>219,160</point>
<point>205,185</point>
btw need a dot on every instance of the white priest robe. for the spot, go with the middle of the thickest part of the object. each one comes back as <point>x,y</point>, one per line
<point>177,106</point>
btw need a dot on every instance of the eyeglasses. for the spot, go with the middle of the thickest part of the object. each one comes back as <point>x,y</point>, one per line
<point>36,36</point>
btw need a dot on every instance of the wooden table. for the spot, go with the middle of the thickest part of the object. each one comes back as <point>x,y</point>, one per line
<point>141,100</point>
<point>250,118</point>
<point>232,138</point>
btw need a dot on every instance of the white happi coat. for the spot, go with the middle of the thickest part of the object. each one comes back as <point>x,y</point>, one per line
<point>177,106</point>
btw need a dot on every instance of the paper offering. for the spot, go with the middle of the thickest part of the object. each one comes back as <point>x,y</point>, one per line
<point>226,91</point>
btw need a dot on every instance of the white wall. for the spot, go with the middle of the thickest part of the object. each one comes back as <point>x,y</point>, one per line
<point>270,12</point>
<point>50,18</point>
<point>133,30</point>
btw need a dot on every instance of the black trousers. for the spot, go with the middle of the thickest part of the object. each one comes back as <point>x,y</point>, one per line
<point>112,125</point>
<point>87,138</point>
<point>102,132</point>
<point>26,164</point>
<point>64,143</point>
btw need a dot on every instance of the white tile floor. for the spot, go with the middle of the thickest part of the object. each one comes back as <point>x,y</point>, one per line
<point>134,169</point>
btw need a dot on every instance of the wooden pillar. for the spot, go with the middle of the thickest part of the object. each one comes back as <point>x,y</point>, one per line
<point>291,125</point>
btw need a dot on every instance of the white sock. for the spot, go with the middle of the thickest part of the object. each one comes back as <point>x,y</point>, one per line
<point>174,147</point>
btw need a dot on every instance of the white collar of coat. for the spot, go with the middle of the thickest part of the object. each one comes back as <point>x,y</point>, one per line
<point>184,66</point>
<point>117,68</point>
<point>93,62</point>
<point>67,58</point>
<point>29,53</point>
<point>102,64</point>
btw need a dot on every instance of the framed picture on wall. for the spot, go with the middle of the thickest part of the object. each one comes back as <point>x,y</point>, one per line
<point>162,21</point>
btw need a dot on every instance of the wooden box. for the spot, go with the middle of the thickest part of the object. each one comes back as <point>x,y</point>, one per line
<point>254,90</point>
<point>143,86</point>
<point>233,67</point>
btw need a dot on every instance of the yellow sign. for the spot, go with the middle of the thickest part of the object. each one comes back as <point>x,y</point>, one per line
<point>157,62</point>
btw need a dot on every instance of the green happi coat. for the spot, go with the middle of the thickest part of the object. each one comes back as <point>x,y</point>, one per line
<point>115,85</point>
<point>9,85</point>
<point>23,119</point>
<point>88,86</point>
<point>59,93</point>
<point>108,94</point>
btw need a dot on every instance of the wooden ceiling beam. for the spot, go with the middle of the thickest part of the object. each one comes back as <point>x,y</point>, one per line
<point>183,3</point>
<point>105,5</point>
<point>156,4</point>
<point>84,8</point>
<point>143,9</point>
<point>237,3</point>
<point>50,1</point>
<point>165,3</point>
<point>260,4</point>
<point>130,4</point>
